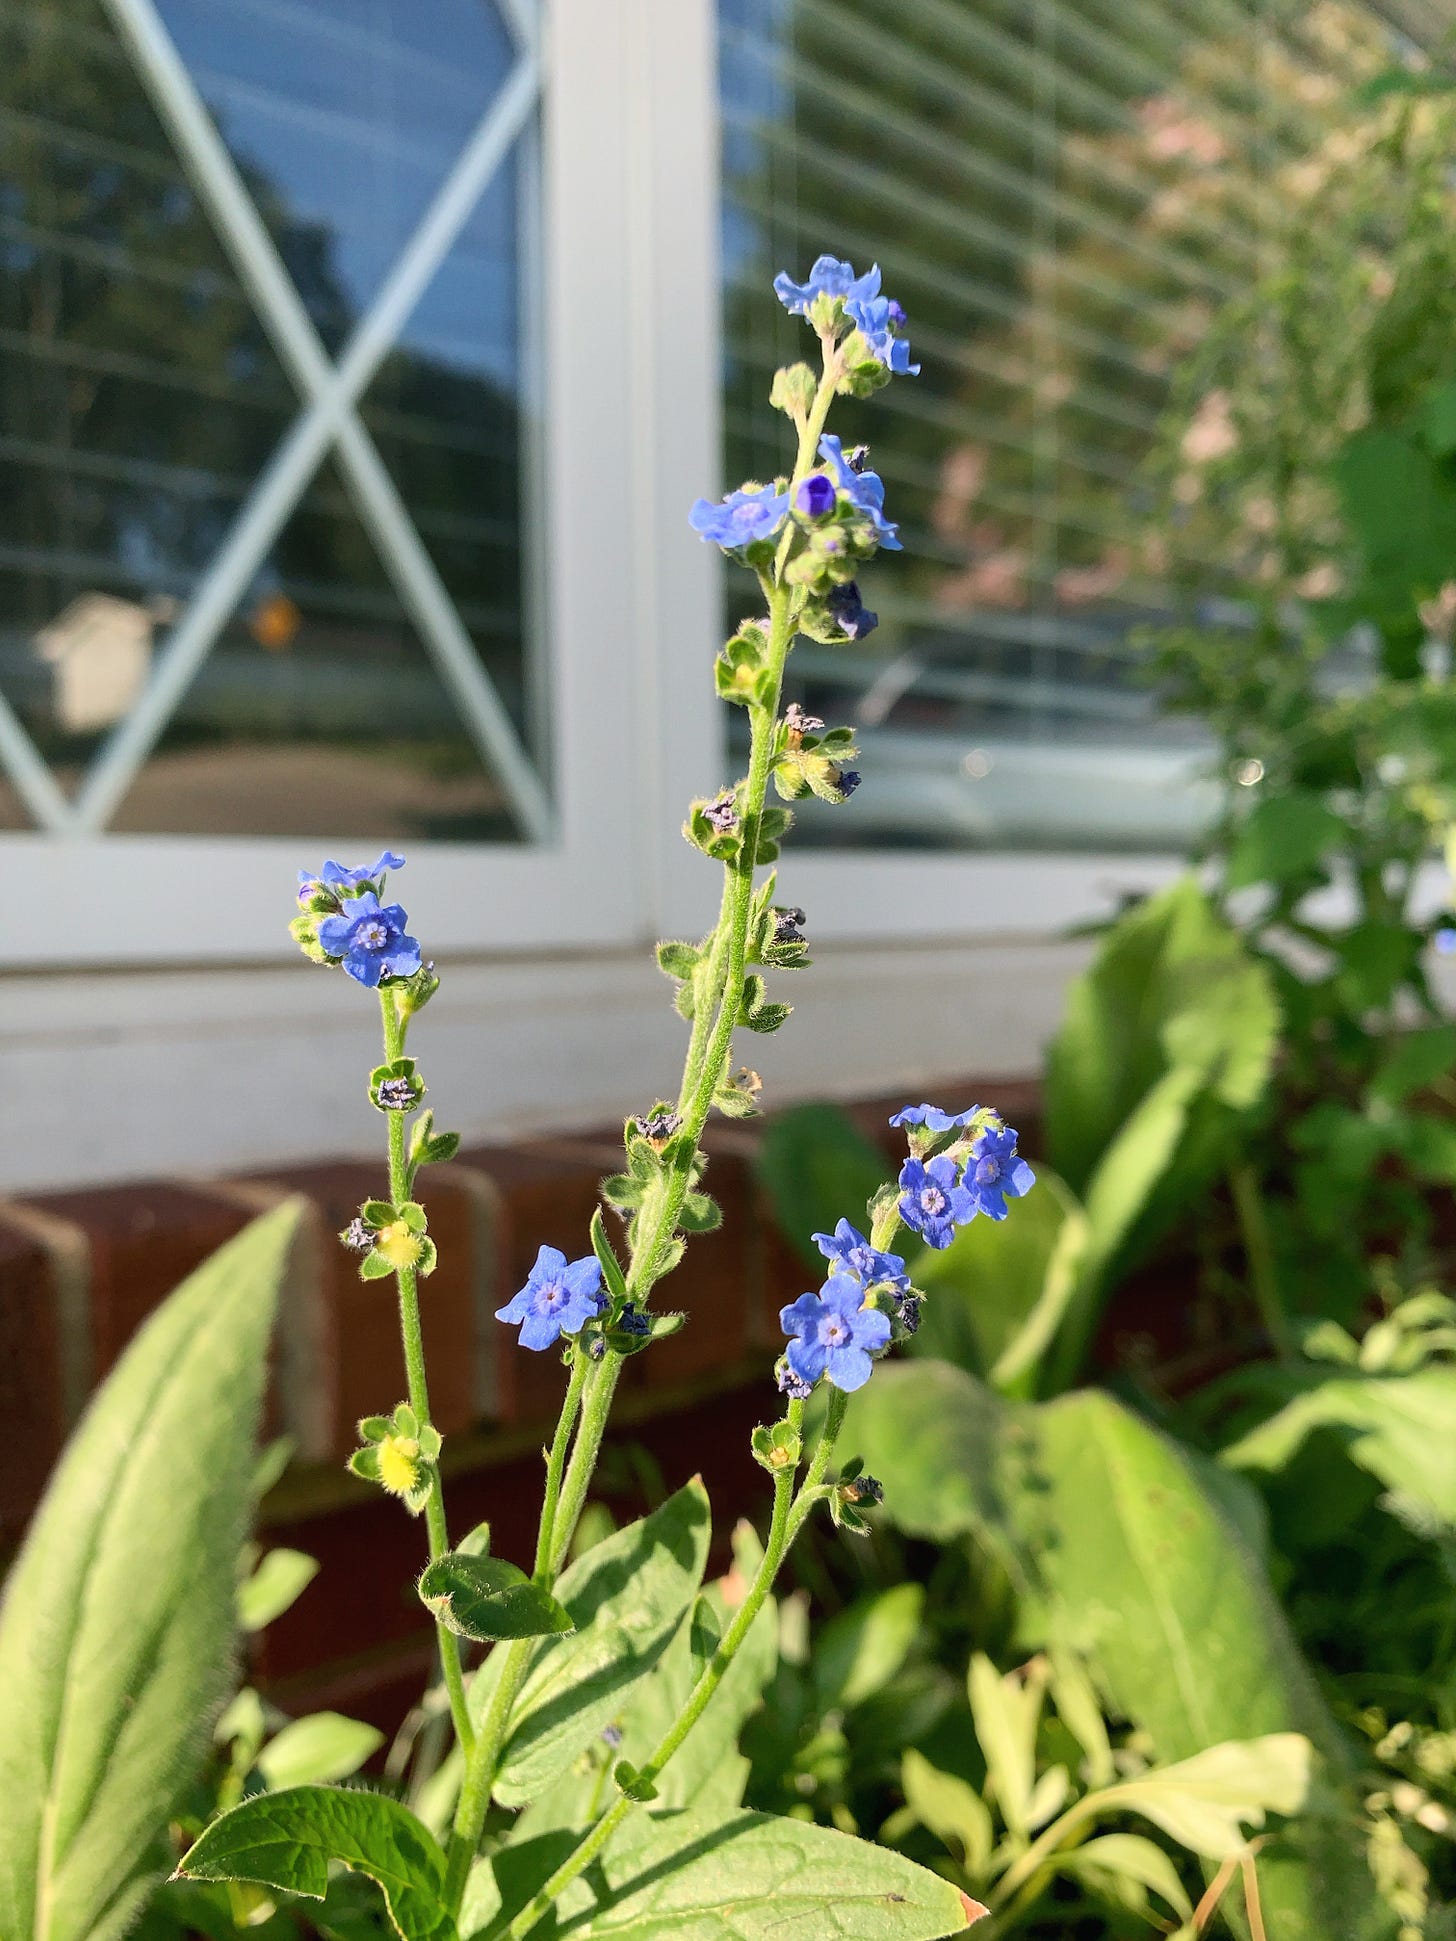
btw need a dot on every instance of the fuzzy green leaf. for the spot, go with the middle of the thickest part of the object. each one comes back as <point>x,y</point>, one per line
<point>607,1257</point>
<point>747,1877</point>
<point>117,1627</point>
<point>627,1596</point>
<point>486,1598</point>
<point>281,1578</point>
<point>287,1840</point>
<point>314,1750</point>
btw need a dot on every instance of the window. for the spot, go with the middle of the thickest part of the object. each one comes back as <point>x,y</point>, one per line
<point>1061,194</point>
<point>295,420</point>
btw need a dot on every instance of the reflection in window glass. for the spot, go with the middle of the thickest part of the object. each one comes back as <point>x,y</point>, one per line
<point>1062,195</point>
<point>141,398</point>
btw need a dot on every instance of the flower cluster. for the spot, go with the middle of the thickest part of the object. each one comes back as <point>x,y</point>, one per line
<point>867,1302</point>
<point>975,1173</point>
<point>344,921</point>
<point>834,295</point>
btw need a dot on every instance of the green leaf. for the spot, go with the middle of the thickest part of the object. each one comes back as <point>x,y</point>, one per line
<point>1285,837</point>
<point>1401,1429</point>
<point>817,1168</point>
<point>749,1877</point>
<point>1007,1714</point>
<point>279,1581</point>
<point>954,1812</point>
<point>999,1290</point>
<point>1123,1555</point>
<point>1172,985</point>
<point>117,1627</point>
<point>678,959</point>
<point>324,1746</point>
<point>1208,1801</point>
<point>287,1840</point>
<point>1415,1060</point>
<point>700,1214</point>
<point>626,1596</point>
<point>374,1267</point>
<point>606,1255</point>
<point>860,1650</point>
<point>486,1598</point>
<point>1127,1856</point>
<point>630,1782</point>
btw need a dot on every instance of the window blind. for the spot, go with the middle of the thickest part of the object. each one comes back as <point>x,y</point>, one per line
<point>1062,194</point>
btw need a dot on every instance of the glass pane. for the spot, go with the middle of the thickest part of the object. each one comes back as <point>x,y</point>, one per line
<point>1061,194</point>
<point>140,399</point>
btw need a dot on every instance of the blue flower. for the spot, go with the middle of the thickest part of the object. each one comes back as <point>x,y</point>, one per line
<point>865,490</point>
<point>932,1118</point>
<point>993,1170</point>
<point>742,518</point>
<point>879,320</point>
<point>334,876</point>
<point>1445,940</point>
<point>833,1333</point>
<point>934,1202</point>
<point>850,1253</point>
<point>828,278</point>
<point>370,939</point>
<point>559,1297</point>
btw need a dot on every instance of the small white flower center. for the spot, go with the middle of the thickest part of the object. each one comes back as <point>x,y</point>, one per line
<point>932,1199</point>
<point>833,1332</point>
<point>373,936</point>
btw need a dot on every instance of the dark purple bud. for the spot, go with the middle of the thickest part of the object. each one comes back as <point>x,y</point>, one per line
<point>816,496</point>
<point>633,1321</point>
<point>847,781</point>
<point>849,613</point>
<point>910,1306</point>
<point>658,1126</point>
<point>864,1489</point>
<point>398,1094</point>
<point>722,813</point>
<point>786,926</point>
<point>898,319</point>
<point>790,1384</point>
<point>857,457</point>
<point>596,1348</point>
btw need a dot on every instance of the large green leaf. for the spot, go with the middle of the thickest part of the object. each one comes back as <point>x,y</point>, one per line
<point>486,1598</point>
<point>1401,1428</point>
<point>627,1597</point>
<point>708,1773</point>
<point>1211,1801</point>
<point>1000,1290</point>
<point>1172,985</point>
<point>116,1634</point>
<point>286,1841</point>
<point>817,1168</point>
<point>1123,1554</point>
<point>747,1877</point>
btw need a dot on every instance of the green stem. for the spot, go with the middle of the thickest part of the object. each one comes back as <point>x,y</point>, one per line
<point>789,1511</point>
<point>412,1337</point>
<point>483,1760</point>
<point>1259,1253</point>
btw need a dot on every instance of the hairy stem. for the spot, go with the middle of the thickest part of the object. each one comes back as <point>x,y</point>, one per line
<point>482,1761</point>
<point>412,1337</point>
<point>789,1511</point>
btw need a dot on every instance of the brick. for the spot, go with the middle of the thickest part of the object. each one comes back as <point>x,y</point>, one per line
<point>537,1195</point>
<point>42,1377</point>
<point>340,1345</point>
<point>141,1241</point>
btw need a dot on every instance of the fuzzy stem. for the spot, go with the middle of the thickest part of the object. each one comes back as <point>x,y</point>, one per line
<point>790,1508</point>
<point>412,1338</point>
<point>483,1760</point>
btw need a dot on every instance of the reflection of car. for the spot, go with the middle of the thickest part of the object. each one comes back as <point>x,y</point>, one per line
<point>963,756</point>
